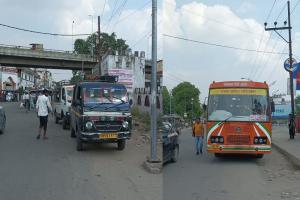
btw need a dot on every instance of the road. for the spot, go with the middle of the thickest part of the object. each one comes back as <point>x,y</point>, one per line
<point>205,177</point>
<point>52,169</point>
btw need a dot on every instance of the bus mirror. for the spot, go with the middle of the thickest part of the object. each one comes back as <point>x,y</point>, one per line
<point>272,106</point>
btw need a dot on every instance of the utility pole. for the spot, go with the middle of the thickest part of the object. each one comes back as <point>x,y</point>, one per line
<point>99,46</point>
<point>170,102</point>
<point>289,41</point>
<point>72,36</point>
<point>153,157</point>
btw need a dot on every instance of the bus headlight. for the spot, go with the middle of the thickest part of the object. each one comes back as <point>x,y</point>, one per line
<point>217,139</point>
<point>260,140</point>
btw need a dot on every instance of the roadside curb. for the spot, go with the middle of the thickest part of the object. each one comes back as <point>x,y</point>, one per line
<point>153,168</point>
<point>291,158</point>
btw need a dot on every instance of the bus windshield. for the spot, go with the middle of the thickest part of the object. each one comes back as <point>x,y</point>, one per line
<point>238,104</point>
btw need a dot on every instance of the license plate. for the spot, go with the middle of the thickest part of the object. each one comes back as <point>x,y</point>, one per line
<point>108,136</point>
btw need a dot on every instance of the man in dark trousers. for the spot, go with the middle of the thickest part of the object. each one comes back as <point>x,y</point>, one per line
<point>43,107</point>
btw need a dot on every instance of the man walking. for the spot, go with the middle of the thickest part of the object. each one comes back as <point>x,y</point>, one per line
<point>43,107</point>
<point>198,134</point>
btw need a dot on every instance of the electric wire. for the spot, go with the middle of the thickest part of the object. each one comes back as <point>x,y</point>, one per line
<point>43,33</point>
<point>220,45</point>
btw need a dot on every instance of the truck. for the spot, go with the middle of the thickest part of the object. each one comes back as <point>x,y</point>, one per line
<point>100,113</point>
<point>62,103</point>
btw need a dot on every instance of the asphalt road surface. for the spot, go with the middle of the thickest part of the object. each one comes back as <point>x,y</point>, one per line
<point>205,177</point>
<point>53,169</point>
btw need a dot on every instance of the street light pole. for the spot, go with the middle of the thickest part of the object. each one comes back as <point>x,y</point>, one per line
<point>153,157</point>
<point>72,36</point>
<point>92,32</point>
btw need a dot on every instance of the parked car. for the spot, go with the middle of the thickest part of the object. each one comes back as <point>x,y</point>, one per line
<point>2,120</point>
<point>170,142</point>
<point>62,104</point>
<point>175,120</point>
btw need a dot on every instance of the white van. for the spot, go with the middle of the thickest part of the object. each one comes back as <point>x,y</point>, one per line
<point>62,104</point>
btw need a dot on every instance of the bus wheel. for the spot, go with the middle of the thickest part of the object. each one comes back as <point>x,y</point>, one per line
<point>259,155</point>
<point>218,155</point>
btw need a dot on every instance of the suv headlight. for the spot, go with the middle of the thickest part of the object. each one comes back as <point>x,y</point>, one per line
<point>125,124</point>
<point>89,125</point>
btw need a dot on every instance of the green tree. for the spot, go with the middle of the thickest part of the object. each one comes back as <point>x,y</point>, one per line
<point>76,78</point>
<point>186,99</point>
<point>107,41</point>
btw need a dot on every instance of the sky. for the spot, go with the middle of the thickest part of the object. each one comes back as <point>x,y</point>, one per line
<point>235,23</point>
<point>232,23</point>
<point>130,19</point>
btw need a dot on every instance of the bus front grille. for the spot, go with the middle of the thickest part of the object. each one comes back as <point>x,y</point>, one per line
<point>238,139</point>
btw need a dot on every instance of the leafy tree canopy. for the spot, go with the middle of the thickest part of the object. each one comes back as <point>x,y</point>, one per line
<point>186,100</point>
<point>107,41</point>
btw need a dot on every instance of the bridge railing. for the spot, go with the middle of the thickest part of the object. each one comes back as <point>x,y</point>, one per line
<point>14,50</point>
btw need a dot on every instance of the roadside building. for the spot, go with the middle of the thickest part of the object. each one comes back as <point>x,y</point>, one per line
<point>26,78</point>
<point>130,68</point>
<point>45,79</point>
<point>8,78</point>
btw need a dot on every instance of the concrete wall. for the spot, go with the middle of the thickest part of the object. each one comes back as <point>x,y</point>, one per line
<point>142,100</point>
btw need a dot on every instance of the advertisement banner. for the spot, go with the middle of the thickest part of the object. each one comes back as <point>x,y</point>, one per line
<point>125,77</point>
<point>282,111</point>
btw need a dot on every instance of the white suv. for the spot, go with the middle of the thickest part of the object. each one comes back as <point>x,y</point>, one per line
<point>62,104</point>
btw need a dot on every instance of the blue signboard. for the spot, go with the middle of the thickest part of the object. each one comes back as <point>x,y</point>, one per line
<point>282,111</point>
<point>296,75</point>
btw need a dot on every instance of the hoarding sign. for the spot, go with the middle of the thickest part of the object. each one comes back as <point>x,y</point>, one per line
<point>282,111</point>
<point>125,77</point>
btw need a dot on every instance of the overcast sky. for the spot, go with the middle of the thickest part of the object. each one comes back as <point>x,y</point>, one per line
<point>130,19</point>
<point>233,23</point>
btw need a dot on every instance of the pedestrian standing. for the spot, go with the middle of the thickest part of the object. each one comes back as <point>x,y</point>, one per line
<point>198,134</point>
<point>43,107</point>
<point>27,101</point>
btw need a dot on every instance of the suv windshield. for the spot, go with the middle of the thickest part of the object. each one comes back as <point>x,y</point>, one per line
<point>105,98</point>
<point>69,94</point>
<point>234,104</point>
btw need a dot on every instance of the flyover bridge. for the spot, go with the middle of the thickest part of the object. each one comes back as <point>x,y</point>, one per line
<point>19,56</point>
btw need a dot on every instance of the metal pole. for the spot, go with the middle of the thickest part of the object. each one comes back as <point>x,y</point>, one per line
<point>291,62</point>
<point>99,46</point>
<point>154,83</point>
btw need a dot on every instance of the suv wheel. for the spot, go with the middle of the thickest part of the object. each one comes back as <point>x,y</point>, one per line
<point>73,135</point>
<point>79,144</point>
<point>64,123</point>
<point>175,154</point>
<point>121,145</point>
<point>56,118</point>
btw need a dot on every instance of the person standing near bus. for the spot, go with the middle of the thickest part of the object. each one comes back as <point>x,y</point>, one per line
<point>198,134</point>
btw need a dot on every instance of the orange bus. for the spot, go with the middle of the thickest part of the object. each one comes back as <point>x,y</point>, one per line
<point>239,118</point>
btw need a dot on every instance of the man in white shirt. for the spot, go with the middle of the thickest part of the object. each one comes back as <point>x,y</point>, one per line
<point>43,107</point>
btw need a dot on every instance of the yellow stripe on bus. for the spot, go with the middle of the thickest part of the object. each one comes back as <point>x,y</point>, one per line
<point>238,91</point>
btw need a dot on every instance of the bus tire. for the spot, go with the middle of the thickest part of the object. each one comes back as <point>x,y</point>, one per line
<point>218,155</point>
<point>259,156</point>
